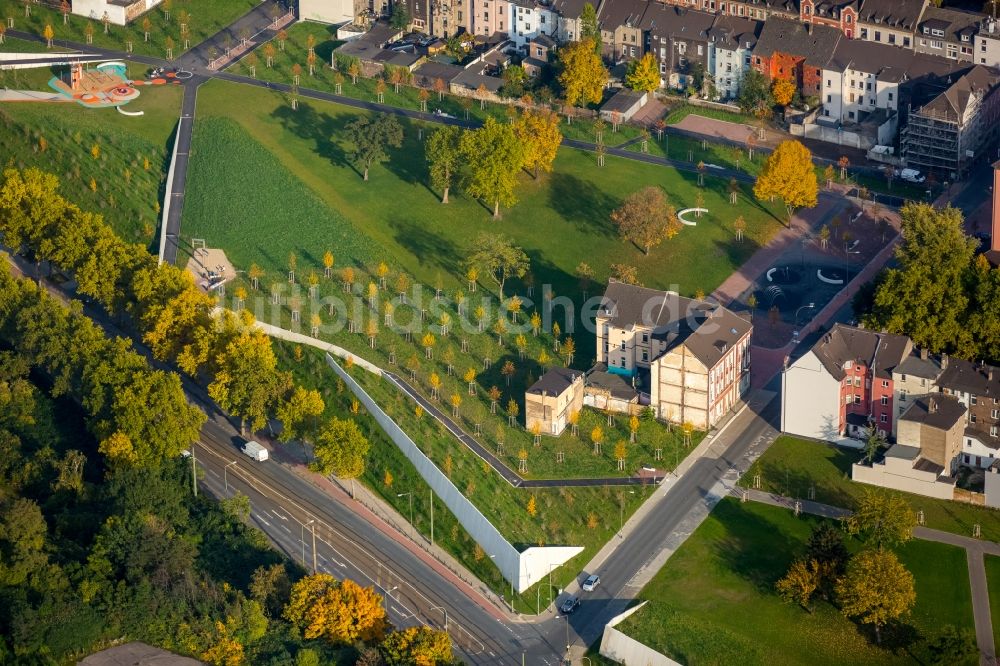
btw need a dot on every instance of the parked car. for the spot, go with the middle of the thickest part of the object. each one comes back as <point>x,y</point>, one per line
<point>569,605</point>
<point>589,585</point>
<point>255,451</point>
<point>912,176</point>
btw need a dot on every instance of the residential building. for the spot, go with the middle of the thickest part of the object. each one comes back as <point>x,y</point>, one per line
<point>490,16</point>
<point>549,402</point>
<point>977,387</point>
<point>915,376</point>
<point>986,49</point>
<point>568,18</point>
<point>529,19</point>
<point>843,384</point>
<point>892,22</point>
<point>449,17</point>
<point>620,22</point>
<point>679,38</point>
<point>693,356</point>
<point>841,15</point>
<point>731,43</point>
<point>954,129</point>
<point>751,9</point>
<point>119,12</point>
<point>925,455</point>
<point>947,32</point>
<point>799,52</point>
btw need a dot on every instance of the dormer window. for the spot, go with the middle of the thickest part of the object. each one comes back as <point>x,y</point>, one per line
<point>965,38</point>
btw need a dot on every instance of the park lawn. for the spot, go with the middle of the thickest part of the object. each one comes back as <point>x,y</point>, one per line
<point>993,585</point>
<point>207,18</point>
<point>15,45</point>
<point>714,601</point>
<point>790,466</point>
<point>681,112</point>
<point>560,219</point>
<point>129,202</point>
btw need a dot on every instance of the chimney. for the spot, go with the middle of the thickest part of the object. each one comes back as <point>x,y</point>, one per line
<point>944,361</point>
<point>923,353</point>
<point>931,405</point>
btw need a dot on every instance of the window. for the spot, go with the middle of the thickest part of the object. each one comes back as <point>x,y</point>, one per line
<point>993,431</point>
<point>857,381</point>
<point>972,418</point>
<point>700,50</point>
<point>968,443</point>
<point>906,41</point>
<point>890,97</point>
<point>884,418</point>
<point>847,20</point>
<point>936,44</point>
<point>885,400</point>
<point>829,83</point>
<point>829,99</point>
<point>937,33</point>
<point>857,398</point>
<point>885,383</point>
<point>864,33</point>
<point>645,356</point>
<point>878,35</point>
<point>623,345</point>
<point>982,47</point>
<point>645,338</point>
<point>965,38</point>
<point>623,361</point>
<point>973,400</point>
<point>848,399</point>
<point>902,397</point>
<point>892,38</point>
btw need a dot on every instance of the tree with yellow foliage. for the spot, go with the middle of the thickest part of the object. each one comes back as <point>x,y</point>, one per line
<point>800,583</point>
<point>643,74</point>
<point>247,382</point>
<point>118,450</point>
<point>298,412</point>
<point>417,646</point>
<point>582,75</point>
<point>532,506</point>
<point>789,175</point>
<point>876,589</point>
<point>538,131</point>
<point>339,612</point>
<point>783,91</point>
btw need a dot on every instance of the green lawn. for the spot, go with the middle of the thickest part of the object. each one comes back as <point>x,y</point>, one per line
<point>684,110</point>
<point>206,18</point>
<point>714,600</point>
<point>993,584</point>
<point>15,45</point>
<point>127,193</point>
<point>37,78</point>
<point>790,466</point>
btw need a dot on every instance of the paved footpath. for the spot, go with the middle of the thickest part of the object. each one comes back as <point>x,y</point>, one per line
<point>975,549</point>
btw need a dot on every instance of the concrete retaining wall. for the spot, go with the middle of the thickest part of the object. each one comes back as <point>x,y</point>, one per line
<point>622,649</point>
<point>523,569</point>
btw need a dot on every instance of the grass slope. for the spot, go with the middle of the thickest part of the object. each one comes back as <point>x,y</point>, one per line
<point>714,600</point>
<point>129,202</point>
<point>790,466</point>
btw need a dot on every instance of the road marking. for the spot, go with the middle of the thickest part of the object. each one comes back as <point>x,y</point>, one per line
<point>286,529</point>
<point>278,514</point>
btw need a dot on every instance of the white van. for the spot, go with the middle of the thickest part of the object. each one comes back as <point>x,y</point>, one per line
<point>255,451</point>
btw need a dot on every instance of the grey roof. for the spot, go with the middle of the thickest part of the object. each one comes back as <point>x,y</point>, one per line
<point>555,381</point>
<point>892,13</point>
<point>953,101</point>
<point>544,40</point>
<point>571,9</point>
<point>396,59</point>
<point>954,22</point>
<point>984,438</point>
<point>430,71</point>
<point>677,22</point>
<point>935,410</point>
<point>888,63</point>
<point>928,368</point>
<point>815,43</point>
<point>707,330</point>
<point>967,377</point>
<point>616,13</point>
<point>472,80</point>
<point>623,100</point>
<point>881,352</point>
<point>616,385</point>
<point>135,652</point>
<point>732,32</point>
<point>531,61</point>
<point>903,452</point>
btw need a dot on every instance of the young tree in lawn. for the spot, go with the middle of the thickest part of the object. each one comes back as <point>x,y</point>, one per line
<point>310,62</point>
<point>739,226</point>
<point>646,218</point>
<point>625,273</point>
<point>643,74</point>
<point>49,35</point>
<point>499,258</point>
<point>282,37</point>
<point>493,155</point>
<point>147,26</point>
<point>269,54</point>
<point>882,519</point>
<point>64,9</point>
<point>423,96</point>
<point>340,450</point>
<point>444,153</point>
<point>788,174</point>
<point>828,174</point>
<point>371,137</point>
<point>800,583</point>
<point>354,71</point>
<point>876,589</point>
<point>582,75</point>
<point>440,87</point>
<point>508,371</point>
<point>843,163</point>
<point>538,131</point>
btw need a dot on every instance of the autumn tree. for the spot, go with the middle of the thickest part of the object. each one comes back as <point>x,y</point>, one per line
<point>444,154</point>
<point>643,74</point>
<point>340,612</point>
<point>581,73</point>
<point>371,137</point>
<point>341,449</point>
<point>882,519</point>
<point>497,255</point>
<point>417,646</point>
<point>789,175</point>
<point>646,218</point>
<point>876,589</point>
<point>783,91</point>
<point>538,132</point>
<point>247,382</point>
<point>298,412</point>
<point>493,156</point>
<point>800,583</point>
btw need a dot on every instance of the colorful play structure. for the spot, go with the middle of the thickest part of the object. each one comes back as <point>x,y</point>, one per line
<point>107,84</point>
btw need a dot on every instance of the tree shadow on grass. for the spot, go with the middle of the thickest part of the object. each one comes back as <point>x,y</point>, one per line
<point>584,205</point>
<point>754,548</point>
<point>320,128</point>
<point>430,247</point>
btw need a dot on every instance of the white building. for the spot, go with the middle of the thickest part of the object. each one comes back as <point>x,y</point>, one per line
<point>731,41</point>
<point>119,12</point>
<point>528,19</point>
<point>327,11</point>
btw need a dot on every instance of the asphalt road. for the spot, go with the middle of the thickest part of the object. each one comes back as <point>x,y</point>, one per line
<point>185,128</point>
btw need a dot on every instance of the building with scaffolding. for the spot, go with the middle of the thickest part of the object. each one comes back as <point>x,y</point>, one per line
<point>956,128</point>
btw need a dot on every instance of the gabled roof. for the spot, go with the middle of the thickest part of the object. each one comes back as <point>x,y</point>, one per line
<point>902,14</point>
<point>935,410</point>
<point>887,63</point>
<point>732,32</point>
<point>708,330</point>
<point>677,22</point>
<point>617,13</point>
<point>967,377</point>
<point>914,365</point>
<point>953,101</point>
<point>572,9</point>
<point>880,352</point>
<point>815,43</point>
<point>954,22</point>
<point>555,381</point>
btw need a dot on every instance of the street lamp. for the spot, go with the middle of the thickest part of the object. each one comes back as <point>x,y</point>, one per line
<point>621,512</point>
<point>302,541</point>
<point>494,558</point>
<point>807,305</point>
<point>388,595</point>
<point>410,495</point>
<point>225,474</point>
<point>565,617</point>
<point>445,611</point>
<point>847,267</point>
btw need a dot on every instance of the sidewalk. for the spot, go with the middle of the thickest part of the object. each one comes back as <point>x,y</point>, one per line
<point>974,549</point>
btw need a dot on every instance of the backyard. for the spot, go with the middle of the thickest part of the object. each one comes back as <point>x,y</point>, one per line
<point>714,601</point>
<point>205,18</point>
<point>791,466</point>
<point>107,162</point>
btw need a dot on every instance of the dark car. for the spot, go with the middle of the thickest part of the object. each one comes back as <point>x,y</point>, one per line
<point>570,605</point>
